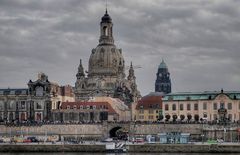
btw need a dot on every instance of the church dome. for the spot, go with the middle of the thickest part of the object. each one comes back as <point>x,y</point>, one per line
<point>106,60</point>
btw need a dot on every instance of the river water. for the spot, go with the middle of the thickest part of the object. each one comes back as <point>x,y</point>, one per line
<point>75,153</point>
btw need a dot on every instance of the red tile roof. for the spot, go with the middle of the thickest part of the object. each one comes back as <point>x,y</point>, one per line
<point>89,105</point>
<point>150,102</point>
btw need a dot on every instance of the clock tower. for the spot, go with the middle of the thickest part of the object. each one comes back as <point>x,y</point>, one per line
<point>163,81</point>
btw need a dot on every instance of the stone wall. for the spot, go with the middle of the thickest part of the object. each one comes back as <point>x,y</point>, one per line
<point>102,130</point>
<point>52,148</point>
<point>153,148</point>
<point>186,148</point>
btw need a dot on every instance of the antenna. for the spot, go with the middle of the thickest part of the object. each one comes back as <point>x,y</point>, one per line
<point>106,5</point>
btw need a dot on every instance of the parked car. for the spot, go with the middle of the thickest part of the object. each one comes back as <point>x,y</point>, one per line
<point>33,139</point>
<point>139,140</point>
<point>27,141</point>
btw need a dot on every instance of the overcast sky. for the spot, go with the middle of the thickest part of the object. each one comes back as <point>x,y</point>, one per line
<point>198,39</point>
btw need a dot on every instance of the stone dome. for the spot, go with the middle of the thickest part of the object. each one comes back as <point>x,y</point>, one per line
<point>106,60</point>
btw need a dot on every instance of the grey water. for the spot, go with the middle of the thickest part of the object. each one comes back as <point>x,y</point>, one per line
<point>78,153</point>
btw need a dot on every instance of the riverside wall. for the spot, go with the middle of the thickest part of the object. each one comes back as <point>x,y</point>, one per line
<point>229,133</point>
<point>141,148</point>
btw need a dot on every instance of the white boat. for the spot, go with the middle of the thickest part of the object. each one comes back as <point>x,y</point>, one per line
<point>115,147</point>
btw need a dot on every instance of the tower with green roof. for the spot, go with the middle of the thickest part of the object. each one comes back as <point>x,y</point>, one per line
<point>163,81</point>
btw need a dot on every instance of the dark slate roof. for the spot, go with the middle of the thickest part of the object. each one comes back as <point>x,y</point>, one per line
<point>106,18</point>
<point>206,95</point>
<point>18,91</point>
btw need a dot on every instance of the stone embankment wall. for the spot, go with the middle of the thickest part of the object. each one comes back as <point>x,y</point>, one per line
<point>161,128</point>
<point>52,148</point>
<point>102,130</point>
<point>84,129</point>
<point>185,148</point>
<point>153,148</point>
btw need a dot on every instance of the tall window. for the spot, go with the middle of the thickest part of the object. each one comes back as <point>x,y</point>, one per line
<point>166,107</point>
<point>222,105</point>
<point>181,106</point>
<point>188,106</point>
<point>195,106</point>
<point>205,106</point>
<point>215,106</point>
<point>229,106</point>
<point>174,107</point>
<point>105,30</point>
<point>230,117</point>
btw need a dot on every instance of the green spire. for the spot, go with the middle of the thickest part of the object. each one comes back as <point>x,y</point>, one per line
<point>162,64</point>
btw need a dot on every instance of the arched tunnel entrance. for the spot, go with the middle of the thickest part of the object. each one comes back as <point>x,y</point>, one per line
<point>118,133</point>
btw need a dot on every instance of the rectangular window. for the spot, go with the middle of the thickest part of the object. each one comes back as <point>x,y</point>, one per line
<point>204,106</point>
<point>181,106</point>
<point>166,107</point>
<point>141,111</point>
<point>150,111</point>
<point>174,107</point>
<point>214,106</point>
<point>195,106</point>
<point>230,117</point>
<point>230,106</point>
<point>150,117</point>
<point>222,105</point>
<point>188,106</point>
<point>141,117</point>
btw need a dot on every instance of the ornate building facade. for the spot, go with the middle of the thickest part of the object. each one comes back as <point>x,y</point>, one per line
<point>163,81</point>
<point>34,103</point>
<point>106,70</point>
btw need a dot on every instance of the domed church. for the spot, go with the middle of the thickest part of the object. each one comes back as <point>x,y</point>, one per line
<point>106,70</point>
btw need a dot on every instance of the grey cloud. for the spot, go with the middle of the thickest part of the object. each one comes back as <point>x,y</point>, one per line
<point>199,40</point>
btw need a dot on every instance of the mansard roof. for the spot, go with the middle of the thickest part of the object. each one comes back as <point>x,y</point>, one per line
<point>14,91</point>
<point>206,95</point>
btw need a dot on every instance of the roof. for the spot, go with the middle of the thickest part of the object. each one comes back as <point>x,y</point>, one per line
<point>106,18</point>
<point>86,105</point>
<point>150,101</point>
<point>162,65</point>
<point>206,95</point>
<point>15,91</point>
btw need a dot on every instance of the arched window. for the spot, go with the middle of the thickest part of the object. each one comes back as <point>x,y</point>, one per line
<point>105,30</point>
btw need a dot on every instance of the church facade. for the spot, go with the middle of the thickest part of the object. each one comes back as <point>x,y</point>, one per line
<point>106,70</point>
<point>163,81</point>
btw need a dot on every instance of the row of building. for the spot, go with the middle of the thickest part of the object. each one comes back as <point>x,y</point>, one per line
<point>105,93</point>
<point>189,106</point>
